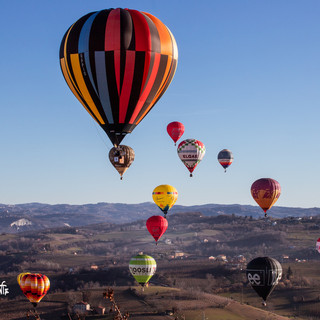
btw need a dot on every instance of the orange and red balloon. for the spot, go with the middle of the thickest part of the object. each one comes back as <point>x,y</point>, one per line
<point>34,286</point>
<point>266,192</point>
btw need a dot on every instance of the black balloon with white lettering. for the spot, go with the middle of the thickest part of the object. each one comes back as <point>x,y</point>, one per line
<point>263,273</point>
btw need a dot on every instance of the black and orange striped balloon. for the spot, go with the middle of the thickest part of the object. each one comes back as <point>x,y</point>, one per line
<point>118,63</point>
<point>34,286</point>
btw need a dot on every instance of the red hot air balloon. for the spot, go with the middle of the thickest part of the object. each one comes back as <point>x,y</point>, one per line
<point>157,226</point>
<point>175,130</point>
<point>266,192</point>
<point>118,63</point>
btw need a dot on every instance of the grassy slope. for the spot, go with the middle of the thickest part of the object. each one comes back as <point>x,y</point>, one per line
<point>150,305</point>
<point>281,302</point>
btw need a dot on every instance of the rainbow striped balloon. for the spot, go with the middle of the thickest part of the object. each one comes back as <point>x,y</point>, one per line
<point>34,286</point>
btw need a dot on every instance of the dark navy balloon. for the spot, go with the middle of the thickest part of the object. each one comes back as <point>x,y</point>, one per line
<point>225,158</point>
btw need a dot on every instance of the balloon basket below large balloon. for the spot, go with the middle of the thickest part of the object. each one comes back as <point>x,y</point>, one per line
<point>121,178</point>
<point>264,303</point>
<point>266,215</point>
<point>191,175</point>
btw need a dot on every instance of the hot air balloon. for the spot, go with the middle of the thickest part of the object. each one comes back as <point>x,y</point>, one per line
<point>121,158</point>
<point>34,286</point>
<point>225,158</point>
<point>157,226</point>
<point>266,192</point>
<point>142,267</point>
<point>20,276</point>
<point>191,152</point>
<point>118,63</point>
<point>165,197</point>
<point>318,245</point>
<point>175,130</point>
<point>263,273</point>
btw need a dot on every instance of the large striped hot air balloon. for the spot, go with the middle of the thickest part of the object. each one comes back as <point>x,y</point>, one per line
<point>266,192</point>
<point>165,196</point>
<point>142,267</point>
<point>34,286</point>
<point>191,152</point>
<point>118,63</point>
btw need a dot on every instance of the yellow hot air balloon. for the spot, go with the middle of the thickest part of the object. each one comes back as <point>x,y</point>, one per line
<point>165,197</point>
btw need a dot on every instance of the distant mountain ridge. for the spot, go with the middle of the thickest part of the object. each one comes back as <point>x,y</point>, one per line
<point>40,216</point>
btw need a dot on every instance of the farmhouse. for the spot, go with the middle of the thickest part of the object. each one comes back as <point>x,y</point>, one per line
<point>81,307</point>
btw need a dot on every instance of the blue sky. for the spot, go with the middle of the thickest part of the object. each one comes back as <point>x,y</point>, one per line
<point>247,79</point>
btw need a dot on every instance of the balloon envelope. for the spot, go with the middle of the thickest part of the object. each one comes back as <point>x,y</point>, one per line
<point>20,276</point>
<point>118,63</point>
<point>175,130</point>
<point>318,245</point>
<point>121,157</point>
<point>263,273</point>
<point>142,267</point>
<point>191,152</point>
<point>34,286</point>
<point>165,196</point>
<point>157,226</point>
<point>225,158</point>
<point>266,192</point>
